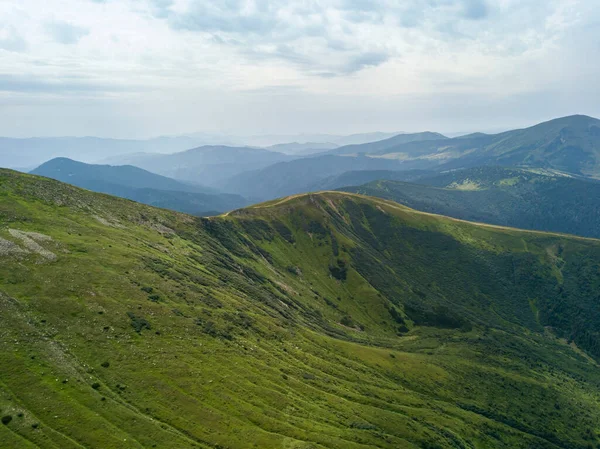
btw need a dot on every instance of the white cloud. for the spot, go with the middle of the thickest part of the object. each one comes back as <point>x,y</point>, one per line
<point>346,56</point>
<point>66,33</point>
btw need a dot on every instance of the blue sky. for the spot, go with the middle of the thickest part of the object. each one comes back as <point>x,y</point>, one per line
<point>137,68</point>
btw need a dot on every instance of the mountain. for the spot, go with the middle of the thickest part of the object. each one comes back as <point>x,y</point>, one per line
<point>317,321</point>
<point>360,177</point>
<point>34,151</point>
<point>299,175</point>
<point>360,138</point>
<point>316,172</point>
<point>209,165</point>
<point>302,148</point>
<point>521,198</point>
<point>337,139</point>
<point>569,144</point>
<point>140,185</point>
<point>31,152</point>
<point>79,173</point>
<point>386,144</point>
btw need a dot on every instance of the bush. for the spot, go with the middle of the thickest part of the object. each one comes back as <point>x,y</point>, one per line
<point>284,231</point>
<point>347,321</point>
<point>340,272</point>
<point>105,364</point>
<point>294,270</point>
<point>138,323</point>
<point>6,419</point>
<point>96,386</point>
<point>316,228</point>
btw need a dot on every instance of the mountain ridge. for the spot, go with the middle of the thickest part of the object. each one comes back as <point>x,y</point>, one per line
<point>522,198</point>
<point>136,184</point>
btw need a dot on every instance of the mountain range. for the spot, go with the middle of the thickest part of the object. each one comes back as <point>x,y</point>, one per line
<point>28,153</point>
<point>142,186</point>
<point>207,165</point>
<point>313,321</point>
<point>568,144</point>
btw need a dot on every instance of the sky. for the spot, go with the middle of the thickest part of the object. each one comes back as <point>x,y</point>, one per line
<point>142,68</point>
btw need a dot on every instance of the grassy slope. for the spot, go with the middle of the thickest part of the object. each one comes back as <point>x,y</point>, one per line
<point>503,196</point>
<point>246,346</point>
<point>568,144</point>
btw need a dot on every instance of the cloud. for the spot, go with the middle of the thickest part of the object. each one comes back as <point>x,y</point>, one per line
<point>347,60</point>
<point>66,33</point>
<point>228,16</point>
<point>323,38</point>
<point>11,40</point>
<point>42,85</point>
<point>370,59</point>
<point>308,35</point>
<point>161,8</point>
<point>475,9</point>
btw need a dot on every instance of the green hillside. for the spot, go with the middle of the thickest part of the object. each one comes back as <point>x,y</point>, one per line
<point>318,321</point>
<point>527,199</point>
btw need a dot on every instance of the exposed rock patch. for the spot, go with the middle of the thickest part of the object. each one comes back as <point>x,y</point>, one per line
<point>30,241</point>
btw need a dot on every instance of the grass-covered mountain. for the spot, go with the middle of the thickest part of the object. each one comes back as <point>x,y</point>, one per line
<point>570,144</point>
<point>319,321</point>
<point>385,144</point>
<point>140,185</point>
<point>541,200</point>
<point>360,177</point>
<point>208,165</point>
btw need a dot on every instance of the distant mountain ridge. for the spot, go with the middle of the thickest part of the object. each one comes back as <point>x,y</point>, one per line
<point>302,148</point>
<point>306,174</point>
<point>33,151</point>
<point>209,164</point>
<point>570,144</point>
<point>382,145</point>
<point>140,185</point>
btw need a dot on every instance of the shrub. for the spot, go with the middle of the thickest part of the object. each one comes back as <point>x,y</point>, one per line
<point>96,386</point>
<point>138,323</point>
<point>396,315</point>
<point>147,289</point>
<point>340,272</point>
<point>6,419</point>
<point>105,364</point>
<point>294,270</point>
<point>347,321</point>
<point>211,301</point>
<point>316,228</point>
<point>284,231</point>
